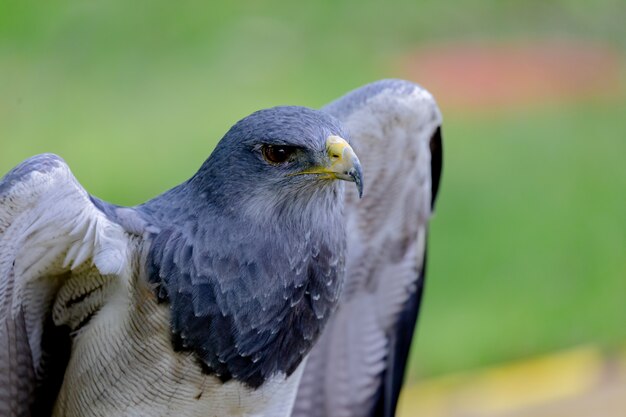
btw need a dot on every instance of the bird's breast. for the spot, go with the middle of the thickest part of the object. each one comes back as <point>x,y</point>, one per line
<point>123,364</point>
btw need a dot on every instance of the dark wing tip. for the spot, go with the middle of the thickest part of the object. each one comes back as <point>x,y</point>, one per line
<point>400,347</point>
<point>436,164</point>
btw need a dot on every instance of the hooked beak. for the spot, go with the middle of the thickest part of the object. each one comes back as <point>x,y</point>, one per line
<point>342,164</point>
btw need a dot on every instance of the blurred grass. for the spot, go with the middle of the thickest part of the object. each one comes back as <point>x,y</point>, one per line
<point>528,240</point>
<point>527,247</point>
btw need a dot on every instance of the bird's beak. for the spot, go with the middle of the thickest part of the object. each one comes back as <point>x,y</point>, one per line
<point>342,163</point>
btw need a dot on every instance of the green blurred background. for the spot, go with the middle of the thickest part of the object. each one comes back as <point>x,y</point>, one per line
<point>528,243</point>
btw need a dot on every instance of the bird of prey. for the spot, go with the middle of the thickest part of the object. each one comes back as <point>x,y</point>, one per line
<point>207,300</point>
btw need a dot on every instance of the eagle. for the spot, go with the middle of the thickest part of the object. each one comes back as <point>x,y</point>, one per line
<point>262,286</point>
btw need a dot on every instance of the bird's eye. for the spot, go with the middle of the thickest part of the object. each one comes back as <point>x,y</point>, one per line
<point>277,154</point>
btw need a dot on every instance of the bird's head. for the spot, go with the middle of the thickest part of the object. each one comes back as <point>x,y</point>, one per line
<point>285,153</point>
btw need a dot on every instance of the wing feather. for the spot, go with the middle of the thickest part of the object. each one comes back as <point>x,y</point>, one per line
<point>357,367</point>
<point>49,229</point>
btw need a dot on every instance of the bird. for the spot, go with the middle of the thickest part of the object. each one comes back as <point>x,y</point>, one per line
<point>202,301</point>
<point>219,296</point>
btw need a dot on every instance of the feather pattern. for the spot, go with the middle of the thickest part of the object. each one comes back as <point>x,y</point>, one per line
<point>49,230</point>
<point>357,367</point>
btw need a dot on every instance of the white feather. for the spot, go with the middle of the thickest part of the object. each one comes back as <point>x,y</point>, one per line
<point>49,233</point>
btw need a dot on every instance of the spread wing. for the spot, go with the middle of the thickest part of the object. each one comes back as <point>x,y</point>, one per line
<point>56,252</point>
<point>357,367</point>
